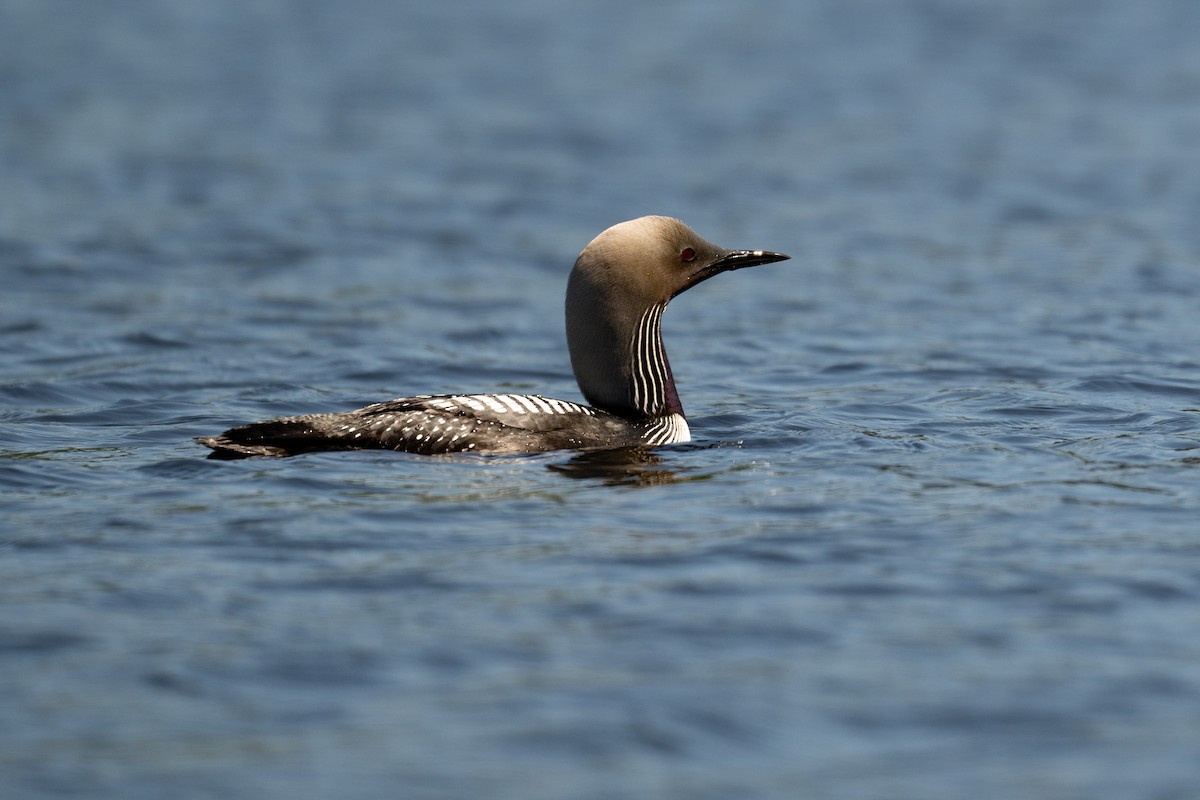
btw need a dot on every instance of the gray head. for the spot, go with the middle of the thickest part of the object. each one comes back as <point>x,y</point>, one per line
<point>615,296</point>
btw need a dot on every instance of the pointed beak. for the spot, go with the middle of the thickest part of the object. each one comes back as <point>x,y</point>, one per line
<point>731,260</point>
<point>739,259</point>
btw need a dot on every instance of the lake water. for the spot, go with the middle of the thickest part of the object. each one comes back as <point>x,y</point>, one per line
<point>938,532</point>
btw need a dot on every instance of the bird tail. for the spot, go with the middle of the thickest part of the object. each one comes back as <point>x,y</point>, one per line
<point>275,438</point>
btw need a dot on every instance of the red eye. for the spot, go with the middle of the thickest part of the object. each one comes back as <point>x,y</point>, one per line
<point>688,254</point>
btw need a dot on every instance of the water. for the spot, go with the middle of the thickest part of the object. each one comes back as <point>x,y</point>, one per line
<point>936,535</point>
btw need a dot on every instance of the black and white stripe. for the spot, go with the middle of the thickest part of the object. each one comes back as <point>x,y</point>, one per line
<point>647,364</point>
<point>671,429</point>
<point>649,381</point>
<point>505,404</point>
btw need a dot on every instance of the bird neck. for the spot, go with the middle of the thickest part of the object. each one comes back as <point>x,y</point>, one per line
<point>650,383</point>
<point>618,357</point>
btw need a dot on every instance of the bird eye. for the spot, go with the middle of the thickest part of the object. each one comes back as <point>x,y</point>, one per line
<point>688,254</point>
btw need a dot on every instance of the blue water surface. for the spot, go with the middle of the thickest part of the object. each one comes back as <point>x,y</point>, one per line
<point>938,532</point>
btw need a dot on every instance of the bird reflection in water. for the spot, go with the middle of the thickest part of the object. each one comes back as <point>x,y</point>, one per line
<point>623,466</point>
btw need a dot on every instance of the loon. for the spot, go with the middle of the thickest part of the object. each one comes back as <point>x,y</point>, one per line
<point>616,294</point>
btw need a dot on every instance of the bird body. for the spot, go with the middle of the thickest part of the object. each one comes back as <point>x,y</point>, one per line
<point>616,294</point>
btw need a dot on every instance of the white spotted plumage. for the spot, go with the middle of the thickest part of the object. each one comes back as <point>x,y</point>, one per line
<point>457,422</point>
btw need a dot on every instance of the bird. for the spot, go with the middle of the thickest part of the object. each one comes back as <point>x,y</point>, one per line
<point>616,294</point>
